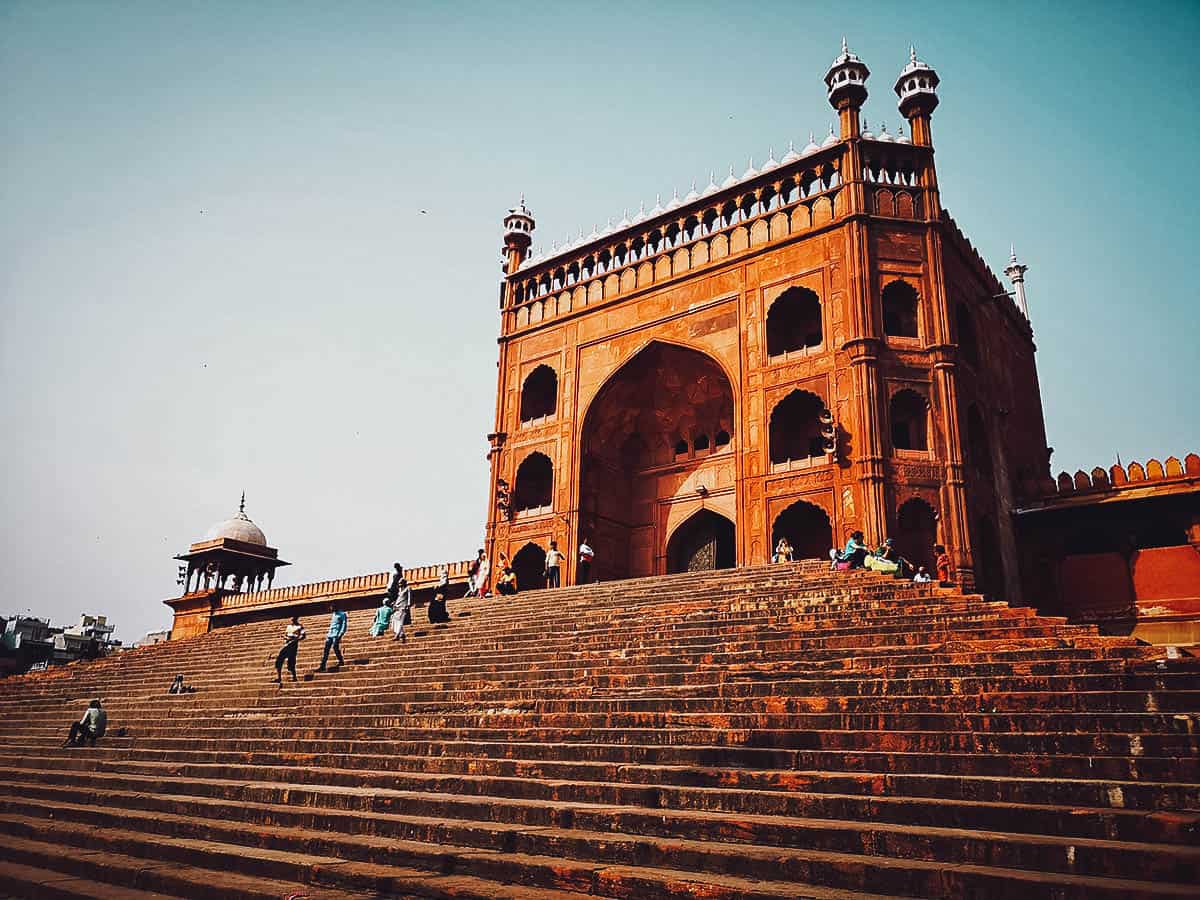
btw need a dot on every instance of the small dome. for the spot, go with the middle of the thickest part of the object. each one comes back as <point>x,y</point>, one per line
<point>238,528</point>
<point>750,170</point>
<point>831,140</point>
<point>771,163</point>
<point>883,134</point>
<point>811,146</point>
<point>791,156</point>
<point>901,137</point>
<point>693,194</point>
<point>730,180</point>
<point>712,185</point>
<point>866,131</point>
<point>675,201</point>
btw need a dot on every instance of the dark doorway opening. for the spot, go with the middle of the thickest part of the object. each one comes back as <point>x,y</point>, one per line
<point>705,541</point>
<point>530,567</point>
<point>806,528</point>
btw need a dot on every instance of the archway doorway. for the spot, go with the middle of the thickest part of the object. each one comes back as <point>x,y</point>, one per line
<point>806,528</point>
<point>530,567</point>
<point>705,541</point>
<point>916,533</point>
<point>665,413</point>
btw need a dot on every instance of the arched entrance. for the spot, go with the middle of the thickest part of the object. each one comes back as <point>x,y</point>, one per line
<point>806,528</point>
<point>530,567</point>
<point>664,414</point>
<point>916,533</point>
<point>705,541</point>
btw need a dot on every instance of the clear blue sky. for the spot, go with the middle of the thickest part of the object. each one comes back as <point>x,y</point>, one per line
<point>216,275</point>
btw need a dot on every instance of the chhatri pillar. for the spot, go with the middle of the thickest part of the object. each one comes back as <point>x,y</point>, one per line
<point>232,558</point>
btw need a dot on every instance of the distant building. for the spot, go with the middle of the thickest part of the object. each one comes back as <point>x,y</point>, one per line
<point>151,638</point>
<point>29,641</point>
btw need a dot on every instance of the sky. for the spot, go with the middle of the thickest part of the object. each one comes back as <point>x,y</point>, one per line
<point>255,246</point>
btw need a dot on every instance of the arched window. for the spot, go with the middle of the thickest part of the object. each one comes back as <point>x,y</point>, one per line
<point>795,434</point>
<point>794,322</point>
<point>681,447</point>
<point>910,421</point>
<point>721,440</point>
<point>899,310</point>
<point>700,442</point>
<point>964,327</point>
<point>535,485</point>
<point>979,449</point>
<point>539,394</point>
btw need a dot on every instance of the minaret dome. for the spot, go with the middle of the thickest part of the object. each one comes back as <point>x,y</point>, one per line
<point>518,235</point>
<point>846,82</point>
<point>917,88</point>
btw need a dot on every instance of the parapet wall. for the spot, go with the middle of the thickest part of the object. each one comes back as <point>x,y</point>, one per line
<point>201,611</point>
<point>1132,476</point>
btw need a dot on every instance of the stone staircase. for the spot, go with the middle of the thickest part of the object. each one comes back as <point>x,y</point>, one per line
<point>769,732</point>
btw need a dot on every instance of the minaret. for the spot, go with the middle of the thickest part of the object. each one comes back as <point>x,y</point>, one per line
<point>1015,272</point>
<point>917,89</point>
<point>846,82</point>
<point>518,235</point>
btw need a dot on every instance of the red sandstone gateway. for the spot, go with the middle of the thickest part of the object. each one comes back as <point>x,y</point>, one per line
<point>793,353</point>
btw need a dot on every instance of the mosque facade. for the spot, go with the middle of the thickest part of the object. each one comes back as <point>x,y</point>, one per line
<point>807,349</point>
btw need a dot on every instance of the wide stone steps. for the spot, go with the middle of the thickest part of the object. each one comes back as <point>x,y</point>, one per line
<point>385,866</point>
<point>544,852</point>
<point>779,731</point>
<point>444,795</point>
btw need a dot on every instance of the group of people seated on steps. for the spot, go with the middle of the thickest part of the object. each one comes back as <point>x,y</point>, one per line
<point>885,558</point>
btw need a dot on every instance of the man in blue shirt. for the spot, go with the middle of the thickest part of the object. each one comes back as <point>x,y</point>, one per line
<point>333,638</point>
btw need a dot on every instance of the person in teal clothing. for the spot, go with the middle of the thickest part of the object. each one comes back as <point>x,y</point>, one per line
<point>333,638</point>
<point>856,551</point>
<point>383,618</point>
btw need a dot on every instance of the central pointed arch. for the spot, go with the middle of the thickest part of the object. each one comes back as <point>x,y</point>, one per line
<point>704,541</point>
<point>668,411</point>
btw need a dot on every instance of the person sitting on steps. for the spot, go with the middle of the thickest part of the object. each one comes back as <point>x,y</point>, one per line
<point>507,583</point>
<point>90,728</point>
<point>179,687</point>
<point>855,554</point>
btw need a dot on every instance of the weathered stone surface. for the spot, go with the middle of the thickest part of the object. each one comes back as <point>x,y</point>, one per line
<point>779,731</point>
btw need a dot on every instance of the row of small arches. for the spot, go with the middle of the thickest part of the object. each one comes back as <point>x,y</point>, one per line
<point>811,185</point>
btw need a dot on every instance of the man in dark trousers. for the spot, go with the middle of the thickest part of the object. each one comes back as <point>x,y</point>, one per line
<point>333,638</point>
<point>553,561</point>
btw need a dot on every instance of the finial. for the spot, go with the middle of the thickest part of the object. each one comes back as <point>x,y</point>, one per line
<point>912,53</point>
<point>1012,252</point>
<point>811,140</point>
<point>242,505</point>
<point>845,49</point>
<point>522,198</point>
<point>831,129</point>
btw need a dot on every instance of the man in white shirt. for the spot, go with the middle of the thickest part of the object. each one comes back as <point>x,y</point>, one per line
<point>553,561</point>
<point>583,572</point>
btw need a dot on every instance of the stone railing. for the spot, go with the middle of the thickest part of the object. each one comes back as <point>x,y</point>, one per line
<point>763,206</point>
<point>1135,473</point>
<point>419,577</point>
